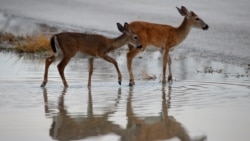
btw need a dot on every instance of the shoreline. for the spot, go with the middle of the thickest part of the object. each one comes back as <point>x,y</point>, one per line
<point>20,25</point>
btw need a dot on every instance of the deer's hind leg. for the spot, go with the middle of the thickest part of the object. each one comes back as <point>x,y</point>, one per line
<point>48,62</point>
<point>61,66</point>
<point>170,80</point>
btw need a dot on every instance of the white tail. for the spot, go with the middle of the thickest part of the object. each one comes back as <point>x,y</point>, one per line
<point>93,45</point>
<point>165,37</point>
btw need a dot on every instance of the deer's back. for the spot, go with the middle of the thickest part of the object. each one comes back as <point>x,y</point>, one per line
<point>158,35</point>
<point>86,43</point>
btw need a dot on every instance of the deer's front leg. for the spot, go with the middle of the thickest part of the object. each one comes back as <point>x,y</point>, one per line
<point>165,61</point>
<point>91,60</point>
<point>113,61</point>
<point>130,55</point>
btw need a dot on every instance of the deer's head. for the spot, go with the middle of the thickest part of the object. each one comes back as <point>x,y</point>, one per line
<point>133,38</point>
<point>193,18</point>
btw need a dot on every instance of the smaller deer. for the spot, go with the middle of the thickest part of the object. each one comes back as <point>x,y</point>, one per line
<point>162,36</point>
<point>67,44</point>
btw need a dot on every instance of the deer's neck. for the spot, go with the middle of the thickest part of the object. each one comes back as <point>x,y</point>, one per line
<point>184,29</point>
<point>119,41</point>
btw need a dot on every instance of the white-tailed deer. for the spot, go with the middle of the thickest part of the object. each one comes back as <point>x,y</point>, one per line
<point>165,37</point>
<point>92,45</point>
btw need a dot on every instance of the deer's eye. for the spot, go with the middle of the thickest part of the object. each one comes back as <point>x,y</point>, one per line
<point>197,19</point>
<point>135,37</point>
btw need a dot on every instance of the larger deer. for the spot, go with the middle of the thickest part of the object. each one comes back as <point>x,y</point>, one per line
<point>92,45</point>
<point>165,37</point>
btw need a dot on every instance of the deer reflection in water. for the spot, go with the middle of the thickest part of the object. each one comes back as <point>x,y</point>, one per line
<point>66,127</point>
<point>155,127</point>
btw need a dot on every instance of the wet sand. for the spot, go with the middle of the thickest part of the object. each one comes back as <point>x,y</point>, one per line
<point>209,98</point>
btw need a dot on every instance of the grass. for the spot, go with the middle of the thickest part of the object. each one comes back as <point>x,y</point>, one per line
<point>26,44</point>
<point>7,37</point>
<point>39,43</point>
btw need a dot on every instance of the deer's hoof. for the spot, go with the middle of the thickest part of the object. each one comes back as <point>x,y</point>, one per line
<point>131,83</point>
<point>65,84</point>
<point>43,84</point>
<point>164,81</point>
<point>170,80</point>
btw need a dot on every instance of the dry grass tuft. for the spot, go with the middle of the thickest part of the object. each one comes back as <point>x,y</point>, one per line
<point>7,37</point>
<point>39,43</point>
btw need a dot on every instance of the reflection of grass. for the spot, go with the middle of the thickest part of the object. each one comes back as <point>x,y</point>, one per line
<point>25,44</point>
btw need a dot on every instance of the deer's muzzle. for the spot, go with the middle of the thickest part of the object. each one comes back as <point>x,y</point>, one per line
<point>140,46</point>
<point>205,27</point>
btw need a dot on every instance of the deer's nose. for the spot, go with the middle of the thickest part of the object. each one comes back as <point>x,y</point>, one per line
<point>139,46</point>
<point>205,27</point>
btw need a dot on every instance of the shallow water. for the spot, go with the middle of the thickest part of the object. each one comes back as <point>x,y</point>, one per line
<point>210,96</point>
<point>208,99</point>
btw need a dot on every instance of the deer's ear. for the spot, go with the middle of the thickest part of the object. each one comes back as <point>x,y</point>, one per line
<point>183,11</point>
<point>179,10</point>
<point>120,27</point>
<point>192,13</point>
<point>126,27</point>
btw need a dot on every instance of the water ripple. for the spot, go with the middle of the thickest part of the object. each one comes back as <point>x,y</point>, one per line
<point>205,94</point>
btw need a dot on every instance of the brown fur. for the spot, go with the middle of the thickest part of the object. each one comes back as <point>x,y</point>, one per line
<point>162,36</point>
<point>93,45</point>
<point>150,35</point>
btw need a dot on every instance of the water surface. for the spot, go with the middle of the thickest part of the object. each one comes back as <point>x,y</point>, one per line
<point>208,99</point>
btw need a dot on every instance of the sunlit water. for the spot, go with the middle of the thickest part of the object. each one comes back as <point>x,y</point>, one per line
<point>199,104</point>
